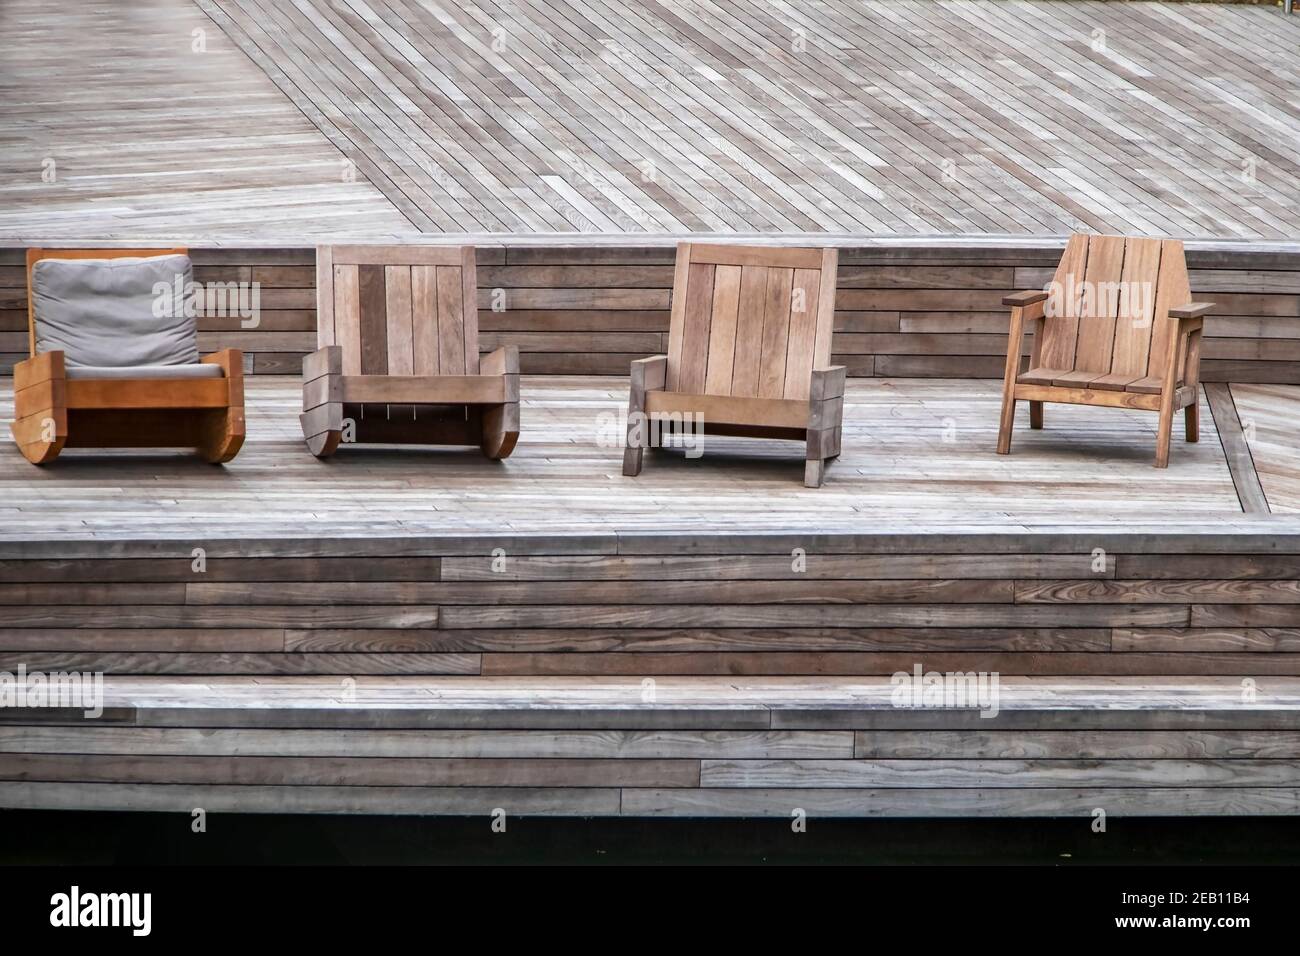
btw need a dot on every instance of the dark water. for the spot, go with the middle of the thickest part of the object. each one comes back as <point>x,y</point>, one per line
<point>145,839</point>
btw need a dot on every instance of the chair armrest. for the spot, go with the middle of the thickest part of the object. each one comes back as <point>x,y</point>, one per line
<point>326,360</point>
<point>230,360</point>
<point>650,374</point>
<point>1192,310</point>
<point>827,383</point>
<point>503,361</point>
<point>46,367</point>
<point>1023,299</point>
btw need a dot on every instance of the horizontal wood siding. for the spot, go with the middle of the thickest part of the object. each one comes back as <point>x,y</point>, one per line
<point>901,312</point>
<point>663,677</point>
<point>560,611</point>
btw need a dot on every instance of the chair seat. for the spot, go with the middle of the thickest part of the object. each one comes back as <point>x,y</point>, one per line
<point>730,409</point>
<point>1105,381</point>
<point>144,371</point>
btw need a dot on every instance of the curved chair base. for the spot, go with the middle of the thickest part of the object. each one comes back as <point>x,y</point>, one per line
<point>41,452</point>
<point>325,444</point>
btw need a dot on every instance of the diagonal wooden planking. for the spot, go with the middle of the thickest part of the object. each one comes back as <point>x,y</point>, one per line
<point>518,116</point>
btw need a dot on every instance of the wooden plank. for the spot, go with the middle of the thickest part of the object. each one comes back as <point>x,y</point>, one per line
<point>690,374</point>
<point>1101,303</point>
<point>451,321</point>
<point>802,341</point>
<point>424,320</point>
<point>469,297</point>
<point>373,304</point>
<point>324,275</point>
<point>776,333</point>
<point>347,316</point>
<point>749,331</point>
<point>398,313</point>
<point>1236,449</point>
<point>425,389</point>
<point>770,412</point>
<point>722,330</point>
<point>677,319</point>
<point>775,256</point>
<point>1173,290</point>
<point>87,393</point>
<point>397,255</point>
<point>1061,331</point>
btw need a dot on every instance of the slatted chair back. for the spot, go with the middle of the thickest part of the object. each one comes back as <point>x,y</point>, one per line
<point>1108,308</point>
<point>36,255</point>
<point>750,320</point>
<point>399,310</point>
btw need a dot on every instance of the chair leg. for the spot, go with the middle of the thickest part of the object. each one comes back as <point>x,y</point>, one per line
<point>322,428</point>
<point>1164,434</point>
<point>637,436</point>
<point>1035,414</point>
<point>632,461</point>
<point>500,430</point>
<point>1192,422</point>
<point>814,472</point>
<point>324,444</point>
<point>1004,425</point>
<point>222,435</point>
<point>41,435</point>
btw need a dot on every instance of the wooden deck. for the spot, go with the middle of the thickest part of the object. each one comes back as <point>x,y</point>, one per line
<point>353,644</point>
<point>422,631</point>
<point>918,454</point>
<point>148,136</point>
<point>905,117</point>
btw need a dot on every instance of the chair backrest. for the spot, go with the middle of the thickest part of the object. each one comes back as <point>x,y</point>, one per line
<point>36,255</point>
<point>1109,305</point>
<point>750,320</point>
<point>399,310</point>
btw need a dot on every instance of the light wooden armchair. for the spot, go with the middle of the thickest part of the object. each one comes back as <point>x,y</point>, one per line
<point>749,350</point>
<point>398,361</point>
<point>1117,329</point>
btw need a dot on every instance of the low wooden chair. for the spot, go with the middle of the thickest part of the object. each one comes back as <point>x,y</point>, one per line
<point>398,359</point>
<point>107,372</point>
<point>749,350</point>
<point>1117,328</point>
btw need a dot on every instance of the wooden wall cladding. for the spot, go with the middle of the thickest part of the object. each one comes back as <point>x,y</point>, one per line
<point>1000,604</point>
<point>906,311</point>
<point>569,634</point>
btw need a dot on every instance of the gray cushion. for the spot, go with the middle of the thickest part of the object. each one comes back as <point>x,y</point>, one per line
<point>115,313</point>
<point>146,371</point>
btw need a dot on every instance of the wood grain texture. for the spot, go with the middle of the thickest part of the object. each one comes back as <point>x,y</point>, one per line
<point>690,130</point>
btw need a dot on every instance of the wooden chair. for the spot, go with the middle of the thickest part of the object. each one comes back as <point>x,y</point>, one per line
<point>1118,329</point>
<point>60,402</point>
<point>398,359</point>
<point>749,350</point>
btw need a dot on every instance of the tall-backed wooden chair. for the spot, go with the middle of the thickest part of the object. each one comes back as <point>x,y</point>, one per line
<point>749,350</point>
<point>114,360</point>
<point>398,359</point>
<point>1118,328</point>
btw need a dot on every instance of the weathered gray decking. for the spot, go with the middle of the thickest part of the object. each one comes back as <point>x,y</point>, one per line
<point>907,117</point>
<point>918,458</point>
